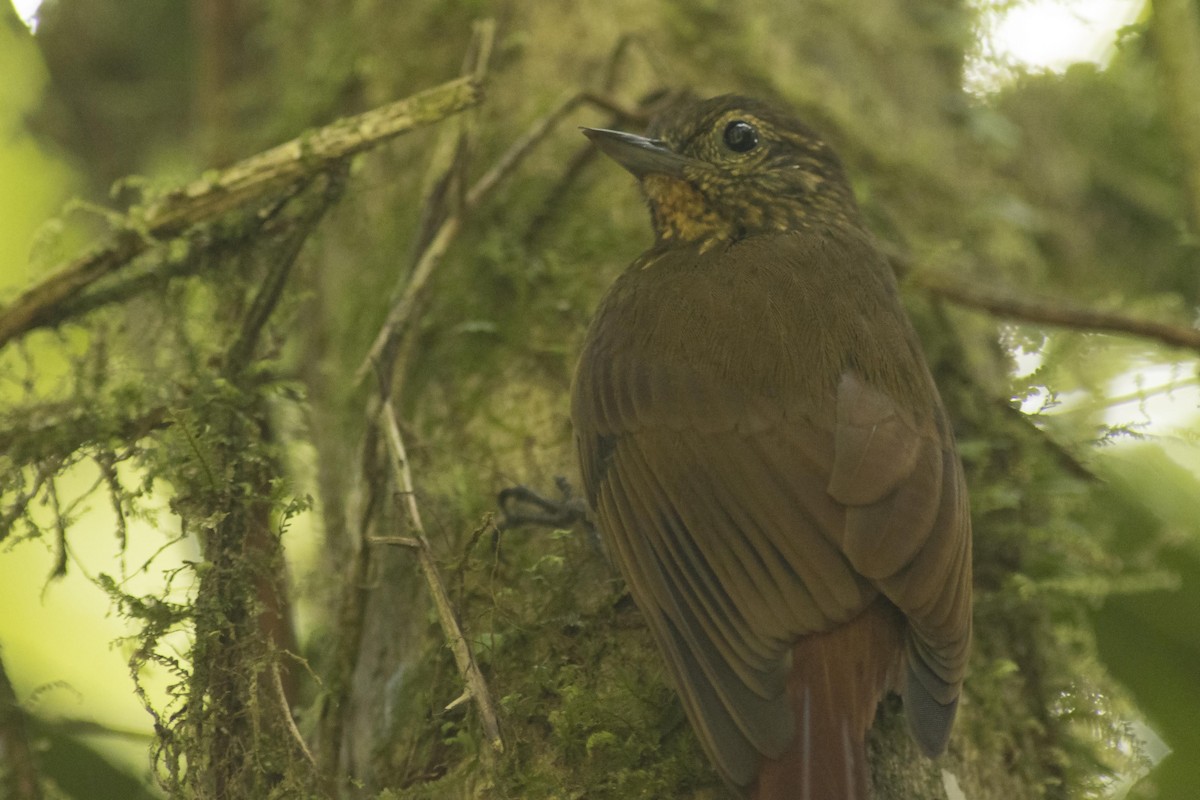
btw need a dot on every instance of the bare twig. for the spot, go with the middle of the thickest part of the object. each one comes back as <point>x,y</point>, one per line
<point>402,312</point>
<point>245,182</point>
<point>444,211</point>
<point>285,709</point>
<point>519,150</point>
<point>585,153</point>
<point>400,466</point>
<point>463,657</point>
<point>539,131</point>
<point>1176,26</point>
<point>294,225</point>
<point>432,241</point>
<point>396,541</point>
<point>1059,314</point>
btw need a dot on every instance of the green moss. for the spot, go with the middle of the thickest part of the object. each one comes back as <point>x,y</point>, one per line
<point>582,697</point>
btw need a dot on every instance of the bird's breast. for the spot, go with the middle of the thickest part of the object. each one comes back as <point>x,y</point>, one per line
<point>682,214</point>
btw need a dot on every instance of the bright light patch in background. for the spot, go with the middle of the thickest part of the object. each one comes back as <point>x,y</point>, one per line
<point>1155,399</point>
<point>1045,35</point>
<point>1160,399</point>
<point>1053,34</point>
<point>27,11</point>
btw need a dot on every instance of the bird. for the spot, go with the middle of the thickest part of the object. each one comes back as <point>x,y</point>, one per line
<point>768,459</point>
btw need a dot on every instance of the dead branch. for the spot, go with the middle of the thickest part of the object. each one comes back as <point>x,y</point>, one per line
<point>402,312</point>
<point>519,150</point>
<point>463,657</point>
<point>444,214</point>
<point>440,221</point>
<point>285,712</point>
<point>243,183</point>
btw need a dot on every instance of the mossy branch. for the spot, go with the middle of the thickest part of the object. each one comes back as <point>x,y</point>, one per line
<point>246,182</point>
<point>238,734</point>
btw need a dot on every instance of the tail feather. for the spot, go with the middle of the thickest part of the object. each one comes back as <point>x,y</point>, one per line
<point>837,680</point>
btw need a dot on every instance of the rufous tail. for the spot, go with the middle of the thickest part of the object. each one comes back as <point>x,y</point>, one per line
<point>837,680</point>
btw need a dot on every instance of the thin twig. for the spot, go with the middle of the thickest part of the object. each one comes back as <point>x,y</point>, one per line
<point>463,657</point>
<point>286,710</point>
<point>245,182</point>
<point>540,129</point>
<point>444,210</point>
<point>585,153</point>
<point>520,149</point>
<point>401,315</point>
<point>366,498</point>
<point>1059,314</point>
<point>396,541</point>
<point>311,203</point>
<point>402,312</point>
<point>400,466</point>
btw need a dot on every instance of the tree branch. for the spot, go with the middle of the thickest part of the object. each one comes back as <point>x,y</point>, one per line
<point>245,182</point>
<point>1058,313</point>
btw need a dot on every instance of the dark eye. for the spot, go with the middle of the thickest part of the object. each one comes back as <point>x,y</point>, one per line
<point>740,136</point>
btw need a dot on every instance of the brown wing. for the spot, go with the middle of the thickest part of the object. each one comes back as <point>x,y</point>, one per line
<point>911,536</point>
<point>756,480</point>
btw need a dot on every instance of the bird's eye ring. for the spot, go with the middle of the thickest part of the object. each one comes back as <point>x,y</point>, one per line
<point>740,136</point>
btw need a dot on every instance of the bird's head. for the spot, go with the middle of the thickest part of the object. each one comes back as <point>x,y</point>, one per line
<point>731,167</point>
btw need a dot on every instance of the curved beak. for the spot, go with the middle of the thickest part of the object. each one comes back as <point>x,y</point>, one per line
<point>638,154</point>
